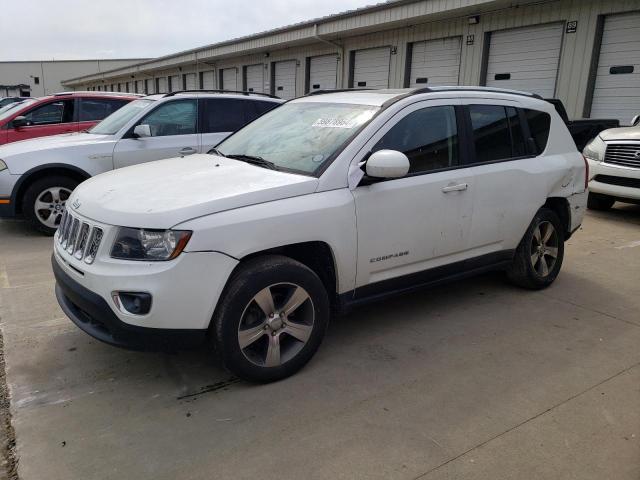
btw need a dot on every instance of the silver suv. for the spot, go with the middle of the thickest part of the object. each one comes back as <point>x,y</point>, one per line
<point>37,176</point>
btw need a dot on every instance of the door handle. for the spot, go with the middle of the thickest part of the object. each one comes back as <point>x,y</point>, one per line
<point>455,188</point>
<point>188,151</point>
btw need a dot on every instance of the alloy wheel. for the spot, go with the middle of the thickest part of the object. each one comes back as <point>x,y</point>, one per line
<point>276,324</point>
<point>544,248</point>
<point>50,205</point>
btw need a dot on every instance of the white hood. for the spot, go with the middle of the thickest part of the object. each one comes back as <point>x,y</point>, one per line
<point>24,155</point>
<point>626,133</point>
<point>165,193</point>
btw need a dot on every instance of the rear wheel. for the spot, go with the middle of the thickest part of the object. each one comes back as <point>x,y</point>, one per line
<point>598,201</point>
<point>271,320</point>
<point>45,201</point>
<point>539,256</point>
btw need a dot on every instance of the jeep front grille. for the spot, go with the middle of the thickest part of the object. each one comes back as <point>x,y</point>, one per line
<point>79,238</point>
<point>625,154</point>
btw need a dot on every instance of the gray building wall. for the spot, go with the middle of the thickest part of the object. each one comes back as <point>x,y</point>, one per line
<point>396,25</point>
<point>50,74</point>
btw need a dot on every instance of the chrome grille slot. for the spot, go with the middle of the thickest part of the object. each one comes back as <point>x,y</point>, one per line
<point>65,215</point>
<point>79,239</point>
<point>73,234</point>
<point>93,244</point>
<point>625,154</point>
<point>81,243</point>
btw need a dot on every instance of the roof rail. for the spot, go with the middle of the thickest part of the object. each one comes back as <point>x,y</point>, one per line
<point>237,92</point>
<point>95,92</point>
<point>474,89</point>
<point>337,90</point>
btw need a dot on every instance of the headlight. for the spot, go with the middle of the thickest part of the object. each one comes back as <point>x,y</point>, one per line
<point>149,245</point>
<point>595,150</point>
<point>3,166</point>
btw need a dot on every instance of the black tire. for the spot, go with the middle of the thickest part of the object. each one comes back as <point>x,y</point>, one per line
<point>597,201</point>
<point>524,271</point>
<point>238,304</point>
<point>35,190</point>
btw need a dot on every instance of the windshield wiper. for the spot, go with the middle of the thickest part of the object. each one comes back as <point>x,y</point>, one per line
<point>259,161</point>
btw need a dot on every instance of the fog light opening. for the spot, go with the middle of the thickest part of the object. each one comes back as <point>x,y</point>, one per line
<point>132,303</point>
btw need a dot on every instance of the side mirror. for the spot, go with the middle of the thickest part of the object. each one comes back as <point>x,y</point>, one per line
<point>20,121</point>
<point>635,121</point>
<point>142,131</point>
<point>387,164</point>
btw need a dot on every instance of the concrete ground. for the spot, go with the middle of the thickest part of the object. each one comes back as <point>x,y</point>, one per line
<point>476,379</point>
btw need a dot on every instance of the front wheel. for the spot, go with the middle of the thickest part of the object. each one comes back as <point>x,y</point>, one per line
<point>45,201</point>
<point>271,319</point>
<point>539,256</point>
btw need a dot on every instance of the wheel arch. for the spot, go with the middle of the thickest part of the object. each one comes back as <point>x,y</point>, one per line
<point>30,176</point>
<point>560,206</point>
<point>316,255</point>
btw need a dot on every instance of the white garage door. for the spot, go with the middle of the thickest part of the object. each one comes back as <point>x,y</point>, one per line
<point>435,62</point>
<point>176,83</point>
<point>371,68</point>
<point>526,59</point>
<point>129,87</point>
<point>162,84</point>
<point>139,88</point>
<point>254,78</point>
<point>208,82</point>
<point>190,79</point>
<point>617,88</point>
<point>229,79</point>
<point>285,79</point>
<point>323,72</point>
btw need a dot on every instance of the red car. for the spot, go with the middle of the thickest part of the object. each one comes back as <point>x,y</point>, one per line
<point>59,113</point>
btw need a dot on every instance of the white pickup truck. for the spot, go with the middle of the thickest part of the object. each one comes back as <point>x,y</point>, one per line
<point>323,203</point>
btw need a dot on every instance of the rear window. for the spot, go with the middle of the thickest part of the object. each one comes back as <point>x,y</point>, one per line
<point>539,126</point>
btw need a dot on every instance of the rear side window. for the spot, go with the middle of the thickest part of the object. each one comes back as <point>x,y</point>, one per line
<point>97,109</point>
<point>539,126</point>
<point>497,133</point>
<point>226,114</point>
<point>491,132</point>
<point>428,137</point>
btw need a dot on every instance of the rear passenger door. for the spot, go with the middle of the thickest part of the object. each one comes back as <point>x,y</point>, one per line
<point>511,178</point>
<point>220,117</point>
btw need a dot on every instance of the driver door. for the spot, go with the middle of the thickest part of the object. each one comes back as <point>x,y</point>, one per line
<point>409,225</point>
<point>173,126</point>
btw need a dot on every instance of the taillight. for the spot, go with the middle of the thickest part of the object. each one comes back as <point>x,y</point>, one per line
<point>586,172</point>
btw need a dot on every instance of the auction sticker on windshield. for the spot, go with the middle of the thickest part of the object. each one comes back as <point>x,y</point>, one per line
<point>334,123</point>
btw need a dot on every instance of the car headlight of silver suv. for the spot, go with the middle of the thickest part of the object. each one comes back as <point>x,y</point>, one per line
<point>595,150</point>
<point>3,166</point>
<point>149,245</point>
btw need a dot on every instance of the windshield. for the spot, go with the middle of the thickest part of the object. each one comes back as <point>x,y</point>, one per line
<point>300,137</point>
<point>118,119</point>
<point>8,110</point>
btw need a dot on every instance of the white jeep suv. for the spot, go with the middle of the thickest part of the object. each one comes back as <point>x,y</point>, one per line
<point>323,203</point>
<point>614,166</point>
<point>37,176</point>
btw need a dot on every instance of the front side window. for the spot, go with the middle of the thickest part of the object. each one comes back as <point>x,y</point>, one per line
<point>118,119</point>
<point>300,136</point>
<point>51,113</point>
<point>173,118</point>
<point>428,137</point>
<point>92,109</point>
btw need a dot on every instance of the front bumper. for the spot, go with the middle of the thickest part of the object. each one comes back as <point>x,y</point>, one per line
<point>91,313</point>
<point>613,180</point>
<point>7,200</point>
